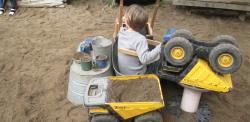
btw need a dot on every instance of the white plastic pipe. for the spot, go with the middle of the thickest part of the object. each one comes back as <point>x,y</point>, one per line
<point>190,100</point>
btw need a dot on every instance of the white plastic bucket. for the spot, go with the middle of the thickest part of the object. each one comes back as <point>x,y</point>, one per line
<point>79,79</point>
<point>190,100</point>
<point>74,97</point>
<point>77,87</point>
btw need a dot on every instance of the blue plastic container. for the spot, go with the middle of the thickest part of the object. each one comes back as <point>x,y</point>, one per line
<point>86,47</point>
<point>101,61</point>
<point>169,34</point>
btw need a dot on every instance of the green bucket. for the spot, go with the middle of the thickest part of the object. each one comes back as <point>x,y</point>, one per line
<point>84,59</point>
<point>86,64</point>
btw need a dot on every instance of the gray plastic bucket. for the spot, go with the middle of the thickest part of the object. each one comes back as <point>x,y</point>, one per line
<point>115,58</point>
<point>102,46</point>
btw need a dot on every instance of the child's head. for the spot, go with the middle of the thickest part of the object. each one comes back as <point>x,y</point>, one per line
<point>136,17</point>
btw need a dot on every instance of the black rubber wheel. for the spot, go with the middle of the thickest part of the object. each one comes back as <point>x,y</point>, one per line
<point>140,2</point>
<point>178,51</point>
<point>104,118</point>
<point>225,39</point>
<point>225,58</point>
<point>149,117</point>
<point>183,33</point>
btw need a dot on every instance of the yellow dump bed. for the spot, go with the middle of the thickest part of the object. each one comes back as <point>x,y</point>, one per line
<point>131,109</point>
<point>99,99</point>
<point>202,76</point>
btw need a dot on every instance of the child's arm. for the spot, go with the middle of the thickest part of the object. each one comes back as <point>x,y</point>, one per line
<point>146,56</point>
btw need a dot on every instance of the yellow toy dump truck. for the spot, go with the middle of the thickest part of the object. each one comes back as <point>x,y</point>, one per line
<point>201,64</point>
<point>120,98</point>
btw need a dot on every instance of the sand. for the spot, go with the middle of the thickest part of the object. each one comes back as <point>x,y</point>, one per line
<point>139,90</point>
<point>82,56</point>
<point>37,44</point>
<point>101,57</point>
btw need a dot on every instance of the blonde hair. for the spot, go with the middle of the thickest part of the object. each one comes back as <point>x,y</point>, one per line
<point>137,17</point>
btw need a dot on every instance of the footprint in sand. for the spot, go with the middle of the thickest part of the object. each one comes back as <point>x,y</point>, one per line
<point>75,113</point>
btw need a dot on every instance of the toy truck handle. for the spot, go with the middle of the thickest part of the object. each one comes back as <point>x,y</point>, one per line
<point>94,90</point>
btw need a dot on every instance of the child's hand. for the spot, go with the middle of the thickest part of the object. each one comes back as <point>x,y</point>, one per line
<point>123,19</point>
<point>116,20</point>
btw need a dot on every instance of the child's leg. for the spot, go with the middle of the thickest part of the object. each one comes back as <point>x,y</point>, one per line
<point>13,7</point>
<point>13,4</point>
<point>1,7</point>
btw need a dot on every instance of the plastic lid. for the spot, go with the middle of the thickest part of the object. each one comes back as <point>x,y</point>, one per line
<point>169,34</point>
